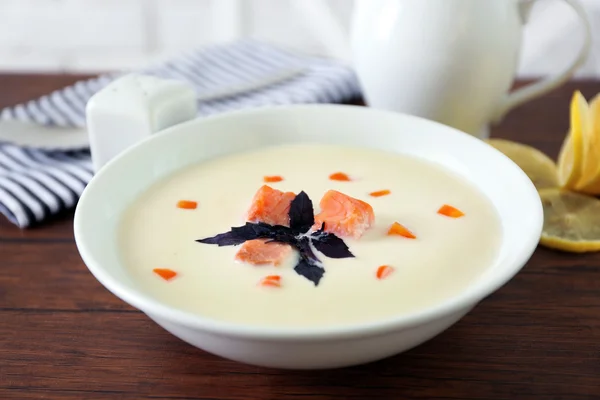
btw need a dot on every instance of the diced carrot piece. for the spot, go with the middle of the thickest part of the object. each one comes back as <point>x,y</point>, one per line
<point>270,206</point>
<point>450,211</point>
<point>384,271</point>
<point>165,273</point>
<point>258,252</point>
<point>271,281</point>
<point>380,193</point>
<point>339,176</point>
<point>344,215</point>
<point>187,204</point>
<point>273,178</point>
<point>397,229</point>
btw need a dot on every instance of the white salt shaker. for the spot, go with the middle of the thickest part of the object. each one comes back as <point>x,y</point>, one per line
<point>132,108</point>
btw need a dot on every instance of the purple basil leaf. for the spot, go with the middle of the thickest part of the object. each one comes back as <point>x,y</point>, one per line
<point>282,234</point>
<point>283,239</point>
<point>312,272</point>
<point>240,234</point>
<point>309,265</point>
<point>223,239</point>
<point>331,245</point>
<point>254,231</point>
<point>301,213</point>
<point>306,251</point>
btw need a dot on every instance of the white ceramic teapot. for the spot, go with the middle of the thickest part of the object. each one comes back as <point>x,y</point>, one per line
<point>452,61</point>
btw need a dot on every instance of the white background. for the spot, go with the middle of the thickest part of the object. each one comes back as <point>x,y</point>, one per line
<point>100,35</point>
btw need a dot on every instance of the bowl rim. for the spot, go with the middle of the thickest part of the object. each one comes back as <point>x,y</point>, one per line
<point>158,310</point>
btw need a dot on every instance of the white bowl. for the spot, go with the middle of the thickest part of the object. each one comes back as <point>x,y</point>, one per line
<point>126,176</point>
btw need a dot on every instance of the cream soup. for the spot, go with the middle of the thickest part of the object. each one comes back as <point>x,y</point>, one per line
<point>447,255</point>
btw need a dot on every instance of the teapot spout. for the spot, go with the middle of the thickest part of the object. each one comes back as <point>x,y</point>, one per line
<point>132,108</point>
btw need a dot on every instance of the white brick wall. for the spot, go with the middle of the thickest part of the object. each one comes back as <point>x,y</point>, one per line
<point>97,35</point>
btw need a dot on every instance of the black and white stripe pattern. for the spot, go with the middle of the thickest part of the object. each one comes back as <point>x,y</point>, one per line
<point>36,184</point>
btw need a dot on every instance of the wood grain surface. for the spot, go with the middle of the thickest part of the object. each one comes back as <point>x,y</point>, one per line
<point>63,336</point>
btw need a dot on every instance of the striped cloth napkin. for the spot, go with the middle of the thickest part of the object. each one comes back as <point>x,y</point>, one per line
<point>36,185</point>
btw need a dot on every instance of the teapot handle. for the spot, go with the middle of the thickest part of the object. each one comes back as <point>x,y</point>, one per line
<point>533,90</point>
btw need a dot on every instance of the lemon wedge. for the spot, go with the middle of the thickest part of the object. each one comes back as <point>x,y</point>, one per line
<point>540,168</point>
<point>571,221</point>
<point>570,159</point>
<point>589,182</point>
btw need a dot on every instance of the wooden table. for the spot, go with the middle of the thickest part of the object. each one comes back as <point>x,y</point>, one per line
<point>63,336</point>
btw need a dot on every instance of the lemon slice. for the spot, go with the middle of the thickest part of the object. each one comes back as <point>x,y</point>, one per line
<point>539,167</point>
<point>571,221</point>
<point>589,182</point>
<point>570,159</point>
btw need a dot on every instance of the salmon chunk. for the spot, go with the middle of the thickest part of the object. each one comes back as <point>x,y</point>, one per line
<point>258,252</point>
<point>270,206</point>
<point>344,215</point>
